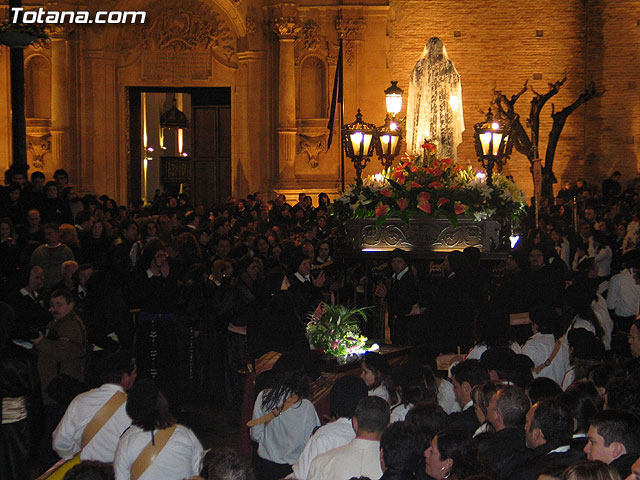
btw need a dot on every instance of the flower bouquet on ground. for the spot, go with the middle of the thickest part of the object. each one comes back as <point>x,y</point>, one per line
<point>335,329</point>
<point>426,185</point>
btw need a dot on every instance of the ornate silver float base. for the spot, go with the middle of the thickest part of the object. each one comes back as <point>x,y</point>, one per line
<point>424,235</point>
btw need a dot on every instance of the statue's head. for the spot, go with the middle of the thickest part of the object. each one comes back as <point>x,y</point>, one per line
<point>435,49</point>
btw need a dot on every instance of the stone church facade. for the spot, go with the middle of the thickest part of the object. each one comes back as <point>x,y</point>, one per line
<point>276,61</point>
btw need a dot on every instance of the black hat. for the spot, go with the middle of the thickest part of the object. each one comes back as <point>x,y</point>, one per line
<point>585,345</point>
<point>399,253</point>
<point>118,362</point>
<point>142,400</point>
<point>345,395</point>
<point>288,362</point>
<point>377,362</point>
<point>578,298</point>
<point>498,358</point>
<point>408,374</point>
<point>295,259</point>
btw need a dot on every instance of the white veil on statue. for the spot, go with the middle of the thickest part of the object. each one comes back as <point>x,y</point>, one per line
<point>434,105</point>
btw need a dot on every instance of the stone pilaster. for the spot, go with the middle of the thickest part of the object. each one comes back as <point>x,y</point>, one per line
<point>59,98</point>
<point>286,27</point>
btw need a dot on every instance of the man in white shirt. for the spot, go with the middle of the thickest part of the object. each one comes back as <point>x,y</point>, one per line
<point>118,375</point>
<point>361,456</point>
<point>344,396</point>
<point>623,296</point>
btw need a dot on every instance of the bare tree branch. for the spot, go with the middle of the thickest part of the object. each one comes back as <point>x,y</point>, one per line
<point>537,104</point>
<point>505,106</point>
<point>559,119</point>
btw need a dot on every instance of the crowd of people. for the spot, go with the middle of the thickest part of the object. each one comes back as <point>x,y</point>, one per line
<point>114,317</point>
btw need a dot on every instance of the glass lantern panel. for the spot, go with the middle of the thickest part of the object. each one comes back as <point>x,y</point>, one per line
<point>497,138</point>
<point>356,142</point>
<point>485,140</point>
<point>394,103</point>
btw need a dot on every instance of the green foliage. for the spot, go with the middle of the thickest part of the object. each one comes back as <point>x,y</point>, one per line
<point>337,329</point>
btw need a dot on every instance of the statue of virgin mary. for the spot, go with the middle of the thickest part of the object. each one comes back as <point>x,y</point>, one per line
<point>434,105</point>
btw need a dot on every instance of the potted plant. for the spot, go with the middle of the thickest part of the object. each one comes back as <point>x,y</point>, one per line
<point>21,35</point>
<point>335,329</point>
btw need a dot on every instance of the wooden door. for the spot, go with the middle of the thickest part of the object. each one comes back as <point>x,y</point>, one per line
<point>211,154</point>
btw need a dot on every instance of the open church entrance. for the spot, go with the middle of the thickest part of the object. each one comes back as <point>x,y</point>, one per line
<point>195,160</point>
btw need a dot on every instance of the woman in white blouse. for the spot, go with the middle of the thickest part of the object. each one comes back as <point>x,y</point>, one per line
<point>283,419</point>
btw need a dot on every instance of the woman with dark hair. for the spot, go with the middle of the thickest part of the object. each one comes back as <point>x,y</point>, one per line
<point>9,254</point>
<point>587,279</point>
<point>410,387</point>
<point>279,328</point>
<point>95,246</point>
<point>584,401</point>
<point>18,387</point>
<point>375,372</point>
<point>14,205</point>
<point>578,309</point>
<point>481,395</point>
<point>283,419</point>
<point>452,455</point>
<point>176,451</point>
<point>53,209</point>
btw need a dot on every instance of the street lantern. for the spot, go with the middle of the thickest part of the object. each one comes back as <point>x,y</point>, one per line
<point>493,143</point>
<point>393,96</point>
<point>358,143</point>
<point>387,142</point>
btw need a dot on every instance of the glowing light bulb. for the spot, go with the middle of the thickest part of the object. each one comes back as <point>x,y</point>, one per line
<point>495,126</point>
<point>481,175</point>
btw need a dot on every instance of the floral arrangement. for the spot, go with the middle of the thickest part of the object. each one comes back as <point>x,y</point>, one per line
<point>435,187</point>
<point>335,329</point>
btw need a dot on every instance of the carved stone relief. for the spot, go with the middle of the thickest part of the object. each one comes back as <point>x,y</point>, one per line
<point>310,38</point>
<point>349,29</point>
<point>37,149</point>
<point>252,25</point>
<point>194,26</point>
<point>313,146</point>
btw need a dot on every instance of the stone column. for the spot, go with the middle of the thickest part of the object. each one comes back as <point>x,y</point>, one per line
<point>286,28</point>
<point>251,108</point>
<point>59,98</point>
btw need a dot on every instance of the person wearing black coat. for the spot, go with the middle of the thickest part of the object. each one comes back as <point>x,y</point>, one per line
<point>157,330</point>
<point>402,296</point>
<point>19,388</point>
<point>305,289</point>
<point>502,450</point>
<point>548,431</point>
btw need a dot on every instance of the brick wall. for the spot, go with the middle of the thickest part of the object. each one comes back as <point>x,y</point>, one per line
<point>500,44</point>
